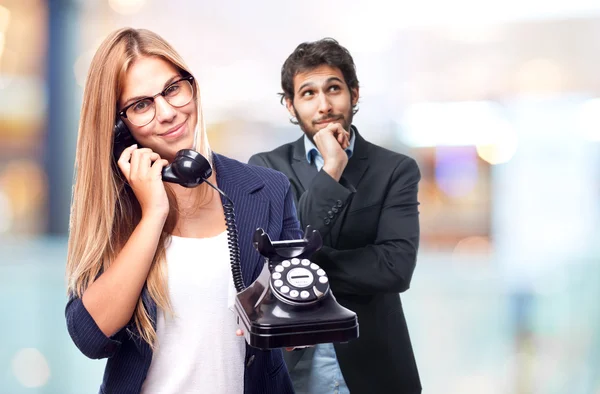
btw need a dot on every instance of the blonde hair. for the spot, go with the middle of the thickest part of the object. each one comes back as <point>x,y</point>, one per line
<point>104,210</point>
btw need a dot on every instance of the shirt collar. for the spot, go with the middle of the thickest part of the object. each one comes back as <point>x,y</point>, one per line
<point>312,151</point>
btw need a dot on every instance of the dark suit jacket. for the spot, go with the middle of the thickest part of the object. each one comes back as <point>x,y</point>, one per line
<point>262,198</point>
<point>370,227</point>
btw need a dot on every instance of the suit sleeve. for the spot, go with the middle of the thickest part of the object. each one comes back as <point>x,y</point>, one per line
<point>387,265</point>
<point>258,160</point>
<point>319,203</point>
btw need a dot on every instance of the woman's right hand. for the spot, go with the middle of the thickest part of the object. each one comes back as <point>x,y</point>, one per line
<point>143,170</point>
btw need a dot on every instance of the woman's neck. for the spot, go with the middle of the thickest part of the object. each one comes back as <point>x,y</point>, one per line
<point>191,200</point>
<point>200,212</point>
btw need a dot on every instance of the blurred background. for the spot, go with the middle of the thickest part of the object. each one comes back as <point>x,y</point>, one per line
<point>499,103</point>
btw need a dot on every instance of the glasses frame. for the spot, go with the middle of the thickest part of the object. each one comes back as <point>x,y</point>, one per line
<point>189,78</point>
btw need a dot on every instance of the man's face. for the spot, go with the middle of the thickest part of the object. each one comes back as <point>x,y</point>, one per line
<point>321,96</point>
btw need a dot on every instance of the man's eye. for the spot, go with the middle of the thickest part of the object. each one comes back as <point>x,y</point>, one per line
<point>334,88</point>
<point>307,93</point>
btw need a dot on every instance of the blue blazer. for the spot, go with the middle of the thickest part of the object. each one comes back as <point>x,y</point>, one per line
<point>263,199</point>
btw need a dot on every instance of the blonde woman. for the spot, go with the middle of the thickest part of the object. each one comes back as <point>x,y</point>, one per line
<point>149,280</point>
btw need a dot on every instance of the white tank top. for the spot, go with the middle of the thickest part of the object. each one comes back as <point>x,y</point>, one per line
<point>198,351</point>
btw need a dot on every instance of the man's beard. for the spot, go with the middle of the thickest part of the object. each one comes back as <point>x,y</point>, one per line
<point>344,120</point>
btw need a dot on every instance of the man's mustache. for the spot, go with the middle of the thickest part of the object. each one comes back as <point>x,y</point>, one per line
<point>330,118</point>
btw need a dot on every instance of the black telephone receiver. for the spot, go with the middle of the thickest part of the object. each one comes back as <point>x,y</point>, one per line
<point>189,168</point>
<point>290,304</point>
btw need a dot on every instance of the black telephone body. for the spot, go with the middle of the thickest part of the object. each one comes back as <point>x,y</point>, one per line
<point>290,304</point>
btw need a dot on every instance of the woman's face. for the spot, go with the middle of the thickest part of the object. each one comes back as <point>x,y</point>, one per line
<point>173,125</point>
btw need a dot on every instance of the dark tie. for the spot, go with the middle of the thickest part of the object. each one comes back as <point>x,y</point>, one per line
<point>313,163</point>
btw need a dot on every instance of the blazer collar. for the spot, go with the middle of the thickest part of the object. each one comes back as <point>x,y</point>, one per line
<point>234,177</point>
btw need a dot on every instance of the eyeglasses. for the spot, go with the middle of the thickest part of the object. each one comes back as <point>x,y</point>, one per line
<point>143,111</point>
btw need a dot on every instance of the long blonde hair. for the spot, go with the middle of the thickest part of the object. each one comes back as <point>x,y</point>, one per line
<point>104,210</point>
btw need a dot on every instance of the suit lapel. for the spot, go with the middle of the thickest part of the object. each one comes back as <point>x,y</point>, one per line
<point>358,163</point>
<point>304,171</point>
<point>251,210</point>
<point>351,177</point>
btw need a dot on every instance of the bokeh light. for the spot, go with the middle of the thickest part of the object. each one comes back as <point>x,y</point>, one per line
<point>30,368</point>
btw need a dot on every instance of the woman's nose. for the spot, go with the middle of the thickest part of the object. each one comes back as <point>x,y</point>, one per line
<point>164,110</point>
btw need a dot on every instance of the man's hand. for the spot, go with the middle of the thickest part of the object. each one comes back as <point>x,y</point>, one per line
<point>331,143</point>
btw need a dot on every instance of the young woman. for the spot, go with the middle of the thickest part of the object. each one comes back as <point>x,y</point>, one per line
<point>148,269</point>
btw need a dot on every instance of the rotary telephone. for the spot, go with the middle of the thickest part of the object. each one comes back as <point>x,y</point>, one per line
<point>290,304</point>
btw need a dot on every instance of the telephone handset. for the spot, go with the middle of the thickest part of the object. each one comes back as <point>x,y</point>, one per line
<point>290,304</point>
<point>189,168</point>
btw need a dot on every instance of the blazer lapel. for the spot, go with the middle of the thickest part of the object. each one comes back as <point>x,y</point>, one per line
<point>251,210</point>
<point>351,177</point>
<point>358,163</point>
<point>304,171</point>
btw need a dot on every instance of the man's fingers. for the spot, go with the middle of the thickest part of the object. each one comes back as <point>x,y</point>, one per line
<point>341,135</point>
<point>343,139</point>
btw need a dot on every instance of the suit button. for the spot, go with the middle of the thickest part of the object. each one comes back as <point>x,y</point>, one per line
<point>330,214</point>
<point>327,221</point>
<point>335,209</point>
<point>339,203</point>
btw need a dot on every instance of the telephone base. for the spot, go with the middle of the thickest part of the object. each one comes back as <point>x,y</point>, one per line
<point>291,304</point>
<point>297,328</point>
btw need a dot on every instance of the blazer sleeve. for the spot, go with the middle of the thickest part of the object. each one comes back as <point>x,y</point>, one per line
<point>388,264</point>
<point>323,195</point>
<point>86,334</point>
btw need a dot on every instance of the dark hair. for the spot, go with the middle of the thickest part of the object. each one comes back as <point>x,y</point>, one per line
<point>310,55</point>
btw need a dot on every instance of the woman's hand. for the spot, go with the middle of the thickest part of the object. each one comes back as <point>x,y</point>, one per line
<point>143,170</point>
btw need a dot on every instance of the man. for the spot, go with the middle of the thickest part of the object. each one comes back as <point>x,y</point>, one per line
<point>363,200</point>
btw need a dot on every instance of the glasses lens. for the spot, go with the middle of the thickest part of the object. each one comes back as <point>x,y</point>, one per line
<point>179,94</point>
<point>141,113</point>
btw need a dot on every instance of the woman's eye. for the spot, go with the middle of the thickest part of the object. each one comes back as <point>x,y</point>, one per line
<point>141,105</point>
<point>172,90</point>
